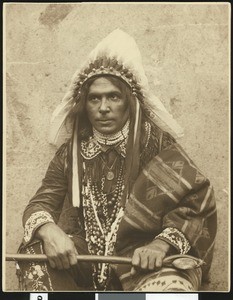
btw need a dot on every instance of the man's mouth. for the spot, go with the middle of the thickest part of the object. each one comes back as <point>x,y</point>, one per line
<point>104,120</point>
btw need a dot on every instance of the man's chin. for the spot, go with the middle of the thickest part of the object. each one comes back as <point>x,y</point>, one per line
<point>107,130</point>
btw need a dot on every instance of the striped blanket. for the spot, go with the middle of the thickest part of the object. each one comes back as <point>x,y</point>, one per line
<point>173,199</point>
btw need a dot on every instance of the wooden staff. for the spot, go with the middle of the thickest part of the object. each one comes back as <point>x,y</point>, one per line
<point>179,261</point>
<point>88,258</point>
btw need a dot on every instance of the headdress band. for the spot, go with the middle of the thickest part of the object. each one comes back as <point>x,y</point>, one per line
<point>104,66</point>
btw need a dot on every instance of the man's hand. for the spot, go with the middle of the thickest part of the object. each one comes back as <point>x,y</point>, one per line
<point>58,247</point>
<point>150,256</point>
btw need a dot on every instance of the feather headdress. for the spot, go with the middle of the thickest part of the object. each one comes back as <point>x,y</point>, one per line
<point>118,55</point>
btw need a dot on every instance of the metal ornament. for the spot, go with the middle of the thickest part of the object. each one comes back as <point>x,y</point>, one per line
<point>184,263</point>
<point>110,175</point>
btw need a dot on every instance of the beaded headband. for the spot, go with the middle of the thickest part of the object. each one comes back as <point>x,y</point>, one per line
<point>106,66</point>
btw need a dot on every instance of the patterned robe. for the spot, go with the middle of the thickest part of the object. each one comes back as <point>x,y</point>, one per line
<point>170,200</point>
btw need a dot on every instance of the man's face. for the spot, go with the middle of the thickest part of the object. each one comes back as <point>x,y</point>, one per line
<point>107,108</point>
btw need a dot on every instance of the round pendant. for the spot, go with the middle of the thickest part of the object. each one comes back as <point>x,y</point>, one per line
<point>110,175</point>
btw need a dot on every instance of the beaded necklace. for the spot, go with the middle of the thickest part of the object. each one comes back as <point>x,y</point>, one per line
<point>112,139</point>
<point>102,216</point>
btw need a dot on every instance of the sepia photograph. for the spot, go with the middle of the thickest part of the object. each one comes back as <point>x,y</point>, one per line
<point>116,147</point>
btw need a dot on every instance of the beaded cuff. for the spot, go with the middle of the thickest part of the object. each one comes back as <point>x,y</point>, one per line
<point>36,220</point>
<point>176,238</point>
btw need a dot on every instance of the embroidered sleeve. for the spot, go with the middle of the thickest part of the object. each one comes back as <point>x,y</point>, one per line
<point>36,220</point>
<point>176,238</point>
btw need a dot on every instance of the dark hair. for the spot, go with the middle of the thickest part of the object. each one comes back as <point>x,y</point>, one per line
<point>79,110</point>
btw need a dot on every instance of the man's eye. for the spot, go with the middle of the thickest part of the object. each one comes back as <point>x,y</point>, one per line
<point>114,97</point>
<point>94,99</point>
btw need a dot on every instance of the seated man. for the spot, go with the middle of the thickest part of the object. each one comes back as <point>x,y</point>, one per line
<point>123,185</point>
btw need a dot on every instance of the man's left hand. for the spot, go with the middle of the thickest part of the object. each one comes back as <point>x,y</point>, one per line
<point>149,257</point>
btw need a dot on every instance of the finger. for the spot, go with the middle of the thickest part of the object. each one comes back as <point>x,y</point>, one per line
<point>133,271</point>
<point>72,258</point>
<point>159,262</point>
<point>58,263</point>
<point>136,259</point>
<point>75,251</point>
<point>151,262</point>
<point>65,261</point>
<point>144,261</point>
<point>52,263</point>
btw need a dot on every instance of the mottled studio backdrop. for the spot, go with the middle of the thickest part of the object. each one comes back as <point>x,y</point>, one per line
<point>185,50</point>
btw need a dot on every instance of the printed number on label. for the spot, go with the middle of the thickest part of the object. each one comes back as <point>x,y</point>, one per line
<point>36,296</point>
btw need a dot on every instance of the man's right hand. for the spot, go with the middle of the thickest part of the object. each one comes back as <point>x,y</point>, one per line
<point>58,247</point>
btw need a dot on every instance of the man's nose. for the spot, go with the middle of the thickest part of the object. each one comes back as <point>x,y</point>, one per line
<point>104,105</point>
